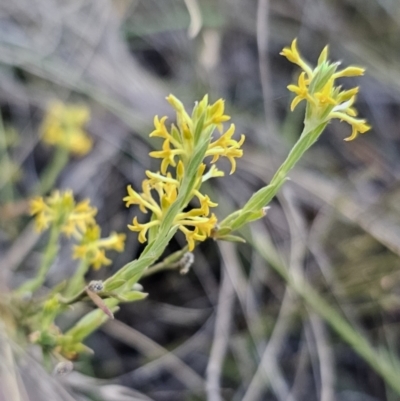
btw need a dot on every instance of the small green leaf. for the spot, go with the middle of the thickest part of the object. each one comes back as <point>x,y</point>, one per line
<point>223,232</point>
<point>91,321</point>
<point>132,296</point>
<point>232,238</point>
<point>113,285</point>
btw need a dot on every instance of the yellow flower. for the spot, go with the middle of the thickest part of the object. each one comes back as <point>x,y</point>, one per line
<point>325,100</point>
<point>160,128</point>
<point>181,141</point>
<point>181,146</point>
<point>205,203</point>
<point>357,125</point>
<point>301,91</point>
<point>60,209</point>
<point>351,71</point>
<point>167,190</point>
<point>142,228</point>
<point>92,247</point>
<point>63,126</point>
<point>213,172</point>
<point>293,55</point>
<point>324,97</point>
<point>167,154</point>
<point>227,147</point>
<point>145,200</point>
<point>202,229</point>
<point>216,114</point>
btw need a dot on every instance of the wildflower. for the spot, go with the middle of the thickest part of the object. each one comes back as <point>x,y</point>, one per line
<point>325,101</point>
<point>202,228</point>
<point>60,209</point>
<point>182,140</point>
<point>216,115</point>
<point>92,247</point>
<point>181,145</point>
<point>167,192</point>
<point>293,55</point>
<point>227,147</point>
<point>167,154</point>
<point>301,91</point>
<point>63,126</point>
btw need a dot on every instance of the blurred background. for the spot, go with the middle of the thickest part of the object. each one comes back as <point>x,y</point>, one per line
<point>230,329</point>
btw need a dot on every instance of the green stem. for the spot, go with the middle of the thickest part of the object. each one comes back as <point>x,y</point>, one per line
<point>52,171</point>
<point>48,259</point>
<point>137,267</point>
<point>77,281</point>
<point>263,197</point>
<point>167,229</point>
<point>6,179</point>
<point>379,360</point>
<point>91,321</point>
<point>169,263</point>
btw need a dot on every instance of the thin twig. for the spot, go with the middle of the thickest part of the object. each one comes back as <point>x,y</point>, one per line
<point>226,300</point>
<point>268,366</point>
<point>268,372</point>
<point>128,335</point>
<point>326,358</point>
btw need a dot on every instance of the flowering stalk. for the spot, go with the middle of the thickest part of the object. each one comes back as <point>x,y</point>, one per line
<point>325,102</point>
<point>62,128</point>
<point>64,215</point>
<point>190,141</point>
<point>171,196</point>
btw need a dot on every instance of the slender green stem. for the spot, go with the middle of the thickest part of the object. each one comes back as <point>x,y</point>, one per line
<point>379,360</point>
<point>6,179</point>
<point>48,259</point>
<point>91,321</point>
<point>52,171</point>
<point>78,296</point>
<point>169,263</point>
<point>77,281</point>
<point>263,197</point>
<point>168,227</point>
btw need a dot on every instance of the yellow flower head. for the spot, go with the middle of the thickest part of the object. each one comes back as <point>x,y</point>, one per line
<point>63,126</point>
<point>202,228</point>
<point>325,101</point>
<point>181,141</point>
<point>92,247</point>
<point>192,135</point>
<point>60,209</point>
<point>227,147</point>
<point>166,189</point>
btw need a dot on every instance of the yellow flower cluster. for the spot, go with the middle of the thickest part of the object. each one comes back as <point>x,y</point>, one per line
<point>63,127</point>
<point>61,210</point>
<point>92,247</point>
<point>180,145</point>
<point>183,139</point>
<point>77,220</point>
<point>317,86</point>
